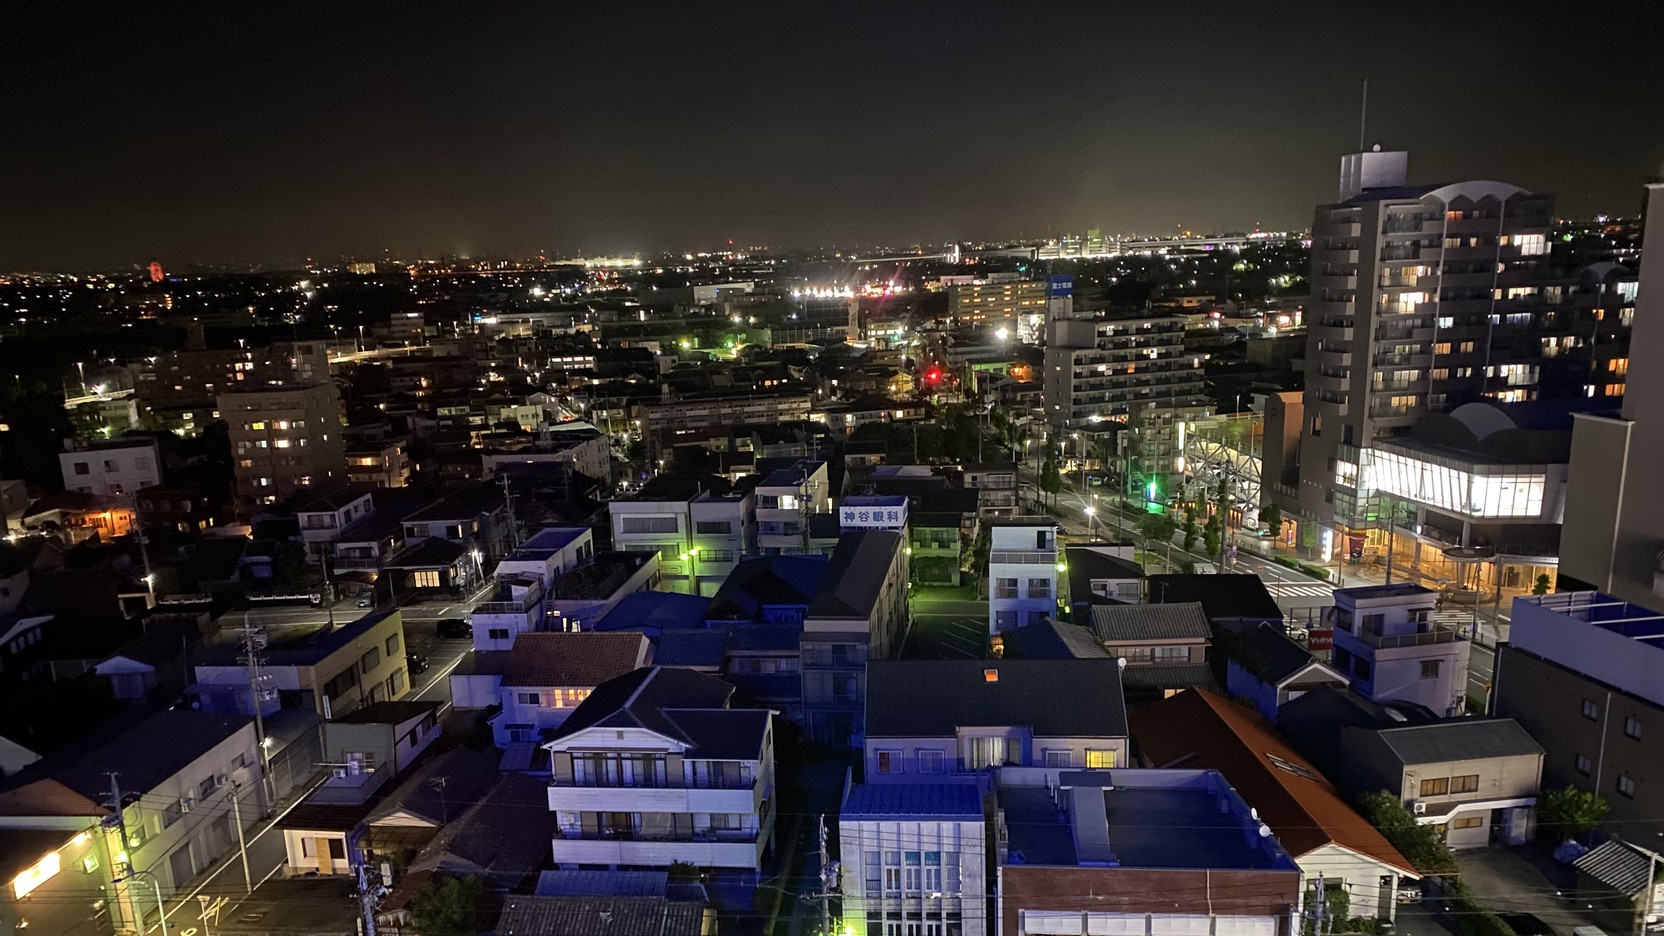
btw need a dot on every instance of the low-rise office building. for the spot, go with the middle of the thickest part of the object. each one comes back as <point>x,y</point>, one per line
<point>330,671</point>
<point>1392,650</point>
<point>1022,571</point>
<point>914,854</point>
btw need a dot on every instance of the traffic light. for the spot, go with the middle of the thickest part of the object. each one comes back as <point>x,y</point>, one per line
<point>934,375</point>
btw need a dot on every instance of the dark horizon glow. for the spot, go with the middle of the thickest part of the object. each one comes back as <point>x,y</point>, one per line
<point>267,134</point>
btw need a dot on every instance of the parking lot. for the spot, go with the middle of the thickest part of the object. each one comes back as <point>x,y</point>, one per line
<point>948,624</point>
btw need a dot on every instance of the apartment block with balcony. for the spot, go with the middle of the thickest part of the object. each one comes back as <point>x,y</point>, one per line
<point>330,671</point>
<point>383,463</point>
<point>701,527</point>
<point>996,487</point>
<point>514,607</point>
<point>914,853</point>
<point>1022,571</point>
<point>1388,644</point>
<point>860,614</point>
<point>1418,296</point>
<point>654,769</point>
<point>284,438</point>
<point>927,720</point>
<point>326,511</point>
<point>787,501</point>
<point>1129,370</point>
<point>1583,674</point>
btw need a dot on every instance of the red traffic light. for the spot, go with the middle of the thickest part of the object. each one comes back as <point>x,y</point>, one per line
<point>933,375</point>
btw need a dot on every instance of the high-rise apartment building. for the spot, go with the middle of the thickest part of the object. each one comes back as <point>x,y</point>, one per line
<point>284,437</point>
<point>1423,298</point>
<point>1130,370</point>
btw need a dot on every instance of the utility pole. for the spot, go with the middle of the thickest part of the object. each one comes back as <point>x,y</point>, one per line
<point>242,843</point>
<point>370,891</point>
<point>828,882</point>
<point>254,641</point>
<point>508,507</point>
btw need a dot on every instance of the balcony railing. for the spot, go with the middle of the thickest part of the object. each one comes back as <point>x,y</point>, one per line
<point>1025,557</point>
<point>738,836</point>
<point>669,783</point>
<point>1436,634</point>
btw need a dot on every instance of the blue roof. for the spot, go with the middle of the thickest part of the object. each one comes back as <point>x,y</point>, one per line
<point>693,648</point>
<point>548,540</point>
<point>655,611</point>
<point>888,800</point>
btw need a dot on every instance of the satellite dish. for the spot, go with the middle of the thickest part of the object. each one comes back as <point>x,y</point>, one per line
<point>1265,831</point>
<point>1121,662</point>
<point>1254,813</point>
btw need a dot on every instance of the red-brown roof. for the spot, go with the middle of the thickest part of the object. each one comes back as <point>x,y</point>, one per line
<point>576,660</point>
<point>1201,730</point>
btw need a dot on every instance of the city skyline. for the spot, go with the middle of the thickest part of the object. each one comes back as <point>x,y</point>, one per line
<point>259,138</point>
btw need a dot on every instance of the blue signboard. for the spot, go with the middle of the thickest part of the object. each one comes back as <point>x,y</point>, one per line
<point>1059,286</point>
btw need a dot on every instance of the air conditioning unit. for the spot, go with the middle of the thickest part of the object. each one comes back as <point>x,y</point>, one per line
<point>338,772</point>
<point>1419,809</point>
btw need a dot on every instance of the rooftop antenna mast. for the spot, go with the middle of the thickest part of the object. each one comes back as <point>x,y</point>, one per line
<point>1363,116</point>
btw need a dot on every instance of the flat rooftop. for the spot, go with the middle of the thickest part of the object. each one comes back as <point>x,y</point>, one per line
<point>1396,590</point>
<point>547,541</point>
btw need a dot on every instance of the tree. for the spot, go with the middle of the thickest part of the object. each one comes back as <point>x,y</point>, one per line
<point>1156,528</point>
<point>1211,540</point>
<point>1420,843</point>
<point>447,906</point>
<point>1272,517</point>
<point>1191,530</point>
<point>1051,482</point>
<point>1570,812</point>
<point>1542,586</point>
<point>1308,537</point>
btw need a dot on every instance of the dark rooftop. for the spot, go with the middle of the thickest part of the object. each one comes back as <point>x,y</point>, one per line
<point>902,800</point>
<point>1222,596</point>
<point>1055,698</point>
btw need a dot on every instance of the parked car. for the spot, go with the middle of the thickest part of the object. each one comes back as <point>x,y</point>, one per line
<point>367,599</point>
<point>455,628</point>
<point>418,663</point>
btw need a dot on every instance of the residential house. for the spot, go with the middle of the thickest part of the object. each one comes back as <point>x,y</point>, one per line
<point>1583,674</point>
<point>996,487</point>
<point>437,792</point>
<point>928,719</point>
<point>186,780</point>
<point>1022,571</point>
<point>1102,574</point>
<point>154,664</point>
<point>698,527</point>
<point>546,676</point>
<point>1386,641</point>
<point>915,852</point>
<point>380,463</point>
<point>1165,646</point>
<point>1475,778</point>
<point>1086,852</point>
<point>655,769</point>
<point>787,499</point>
<point>331,671</point>
<point>110,468</point>
<point>860,614</point>
<point>1271,669</point>
<point>1200,730</point>
<point>390,733</point>
<point>325,512</point>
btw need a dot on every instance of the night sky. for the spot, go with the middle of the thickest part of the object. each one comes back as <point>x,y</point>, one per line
<point>277,131</point>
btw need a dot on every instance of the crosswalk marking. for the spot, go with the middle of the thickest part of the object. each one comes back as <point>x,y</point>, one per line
<point>1301,590</point>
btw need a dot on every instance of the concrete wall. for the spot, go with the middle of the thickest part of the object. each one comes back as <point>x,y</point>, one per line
<point>861,841</point>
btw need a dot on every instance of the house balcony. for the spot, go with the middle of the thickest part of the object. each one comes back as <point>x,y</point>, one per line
<point>711,850</point>
<point>1023,557</point>
<point>738,798</point>
<point>356,564</point>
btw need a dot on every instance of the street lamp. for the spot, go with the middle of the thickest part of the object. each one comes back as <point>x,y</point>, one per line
<point>1089,511</point>
<point>691,557</point>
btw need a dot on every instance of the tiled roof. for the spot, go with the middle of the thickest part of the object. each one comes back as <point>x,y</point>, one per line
<point>1168,676</point>
<point>1201,730</point>
<point>1271,655</point>
<point>1619,865</point>
<point>387,713</point>
<point>694,648</point>
<point>1115,624</point>
<point>1222,596</point>
<point>148,751</point>
<point>639,700</point>
<point>600,916</point>
<point>562,659</point>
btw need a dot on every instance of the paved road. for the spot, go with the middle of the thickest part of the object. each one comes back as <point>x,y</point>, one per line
<point>947,625</point>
